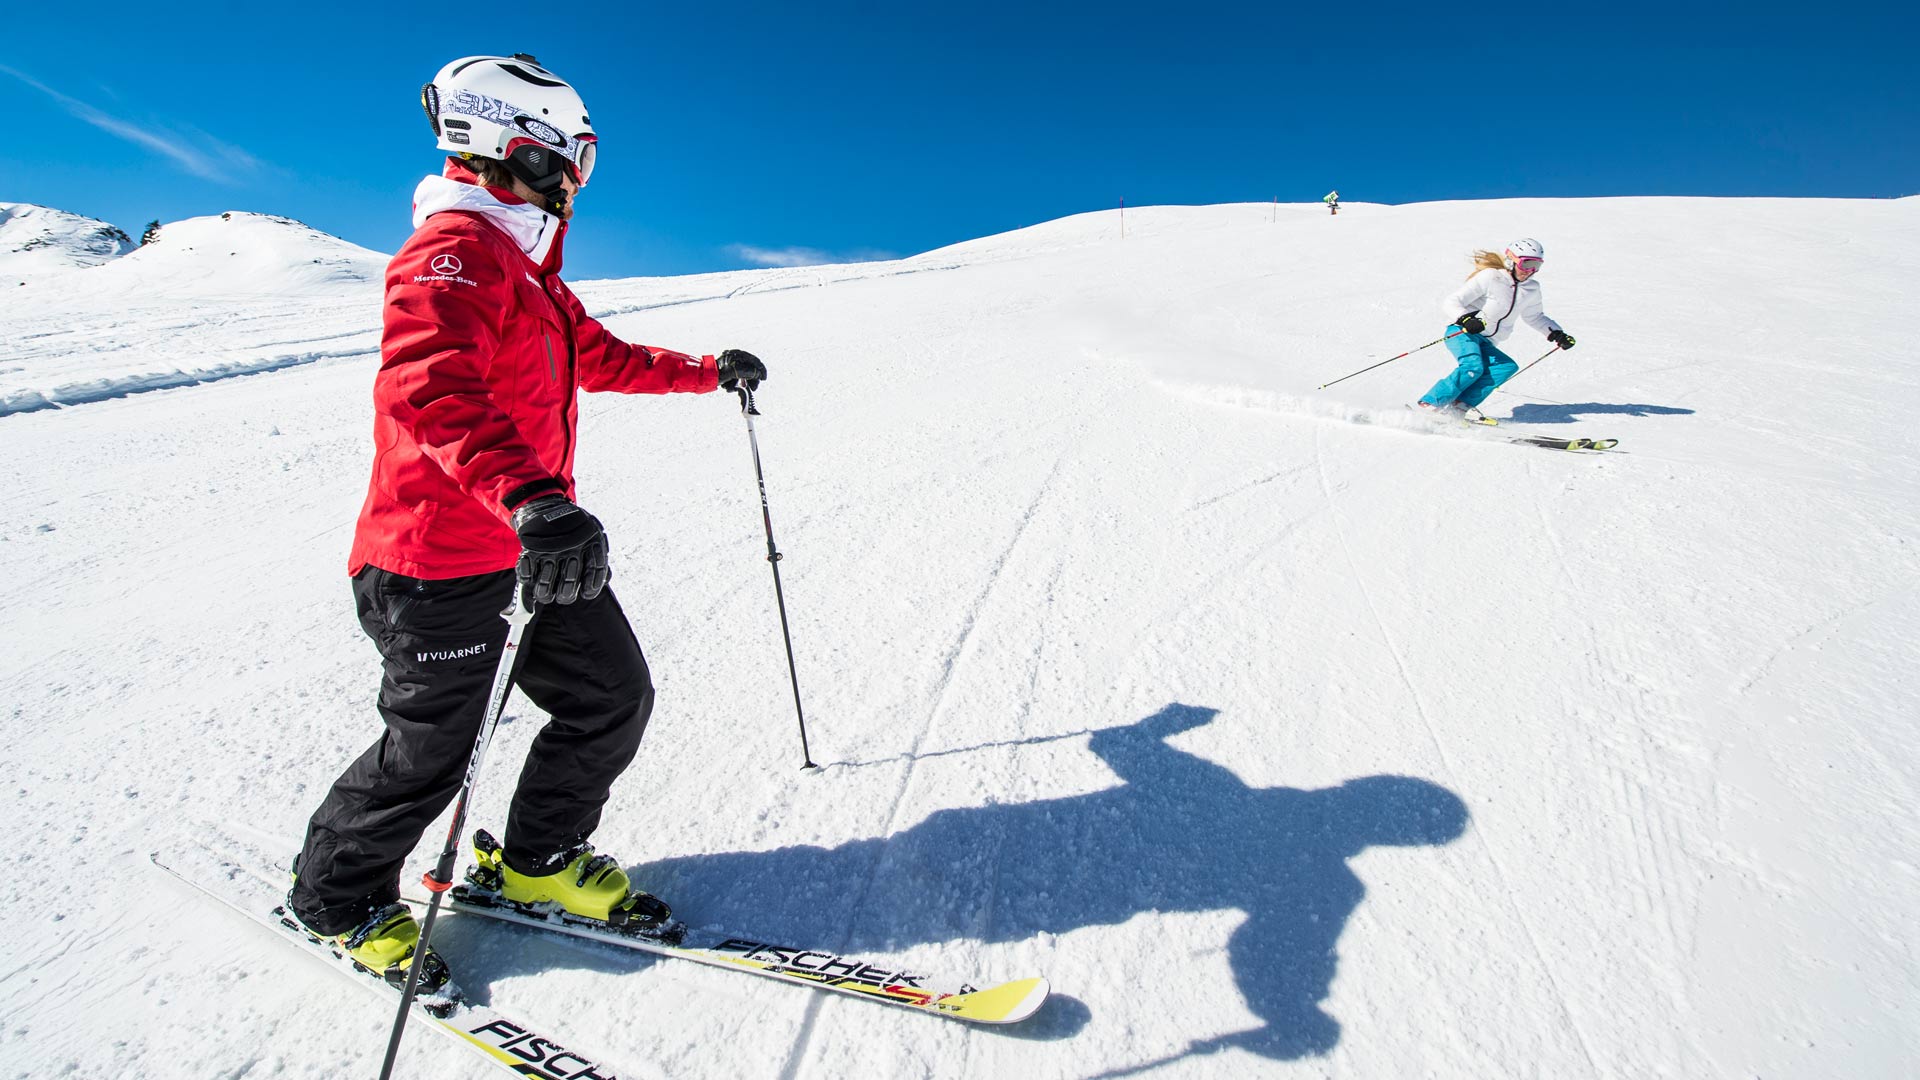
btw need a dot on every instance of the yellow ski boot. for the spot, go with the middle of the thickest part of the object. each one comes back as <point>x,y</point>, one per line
<point>585,885</point>
<point>385,944</point>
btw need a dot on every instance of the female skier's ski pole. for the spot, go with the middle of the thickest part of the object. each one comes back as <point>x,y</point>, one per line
<point>441,879</point>
<point>1391,359</point>
<point>745,389</point>
<point>1523,370</point>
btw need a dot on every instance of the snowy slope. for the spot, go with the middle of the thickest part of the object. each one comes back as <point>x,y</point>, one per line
<point>38,242</point>
<point>1285,737</point>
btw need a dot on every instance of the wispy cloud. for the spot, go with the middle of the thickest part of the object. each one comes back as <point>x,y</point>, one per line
<point>805,256</point>
<point>188,147</point>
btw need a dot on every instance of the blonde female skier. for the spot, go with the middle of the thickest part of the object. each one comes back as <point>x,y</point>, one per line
<point>1500,293</point>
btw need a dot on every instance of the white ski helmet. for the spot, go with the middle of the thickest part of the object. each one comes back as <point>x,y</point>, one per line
<point>511,109</point>
<point>1527,248</point>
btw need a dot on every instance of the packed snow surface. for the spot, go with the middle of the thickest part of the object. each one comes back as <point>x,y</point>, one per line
<point>1284,733</point>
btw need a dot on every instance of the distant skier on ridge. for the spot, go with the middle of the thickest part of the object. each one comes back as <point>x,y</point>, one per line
<point>483,355</point>
<point>1498,294</point>
<point>1332,199</point>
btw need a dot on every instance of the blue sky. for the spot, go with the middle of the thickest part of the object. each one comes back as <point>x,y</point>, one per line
<point>744,134</point>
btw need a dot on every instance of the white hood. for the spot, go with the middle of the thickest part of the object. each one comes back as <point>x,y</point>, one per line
<point>532,228</point>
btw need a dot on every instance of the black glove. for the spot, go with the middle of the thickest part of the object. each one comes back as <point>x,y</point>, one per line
<point>1470,322</point>
<point>1562,339</point>
<point>737,365</point>
<point>563,552</point>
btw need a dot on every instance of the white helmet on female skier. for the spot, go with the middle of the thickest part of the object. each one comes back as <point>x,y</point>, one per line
<point>1525,254</point>
<point>512,110</point>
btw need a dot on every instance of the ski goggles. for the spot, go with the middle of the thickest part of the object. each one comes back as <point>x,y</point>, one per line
<point>1528,263</point>
<point>576,151</point>
<point>547,161</point>
<point>583,159</point>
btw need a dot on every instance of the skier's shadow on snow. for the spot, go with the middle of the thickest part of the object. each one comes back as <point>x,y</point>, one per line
<point>1568,414</point>
<point>1180,834</point>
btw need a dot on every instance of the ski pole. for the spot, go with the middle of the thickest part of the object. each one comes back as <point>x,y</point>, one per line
<point>441,878</point>
<point>1391,359</point>
<point>1523,370</point>
<point>745,389</point>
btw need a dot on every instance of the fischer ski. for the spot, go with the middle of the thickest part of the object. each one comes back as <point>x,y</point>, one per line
<point>874,980</point>
<point>239,883</point>
<point>1553,443</point>
<point>871,979</point>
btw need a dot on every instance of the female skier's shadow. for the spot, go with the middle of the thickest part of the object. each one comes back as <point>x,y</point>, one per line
<point>1180,834</point>
<point>1558,413</point>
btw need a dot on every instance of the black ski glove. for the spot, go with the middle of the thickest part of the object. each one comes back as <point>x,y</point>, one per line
<point>737,365</point>
<point>563,552</point>
<point>1470,322</point>
<point>1562,339</point>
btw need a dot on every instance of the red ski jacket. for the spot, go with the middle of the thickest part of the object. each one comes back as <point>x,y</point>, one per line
<point>483,354</point>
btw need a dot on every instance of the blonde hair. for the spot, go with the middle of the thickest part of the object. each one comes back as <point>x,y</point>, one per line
<point>1488,260</point>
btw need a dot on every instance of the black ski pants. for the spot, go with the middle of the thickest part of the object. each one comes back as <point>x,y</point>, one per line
<point>440,642</point>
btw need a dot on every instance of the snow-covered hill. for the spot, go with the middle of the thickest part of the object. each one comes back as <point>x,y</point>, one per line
<point>240,254</point>
<point>38,241</point>
<point>1286,736</point>
<point>209,298</point>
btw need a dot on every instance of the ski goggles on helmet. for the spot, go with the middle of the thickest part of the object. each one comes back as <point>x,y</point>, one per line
<point>1528,263</point>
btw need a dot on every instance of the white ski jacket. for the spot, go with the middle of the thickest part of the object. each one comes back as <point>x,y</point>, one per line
<point>1501,302</point>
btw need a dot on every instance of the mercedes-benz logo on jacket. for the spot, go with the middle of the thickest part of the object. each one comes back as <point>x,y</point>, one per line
<point>445,264</point>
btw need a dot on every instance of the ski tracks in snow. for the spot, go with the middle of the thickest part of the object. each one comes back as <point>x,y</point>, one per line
<point>1446,760</point>
<point>963,641</point>
<point>963,646</point>
<point>1652,847</point>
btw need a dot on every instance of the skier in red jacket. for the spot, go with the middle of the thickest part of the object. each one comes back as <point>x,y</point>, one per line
<point>475,423</point>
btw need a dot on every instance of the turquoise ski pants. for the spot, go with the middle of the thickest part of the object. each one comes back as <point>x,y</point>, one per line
<point>1482,368</point>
